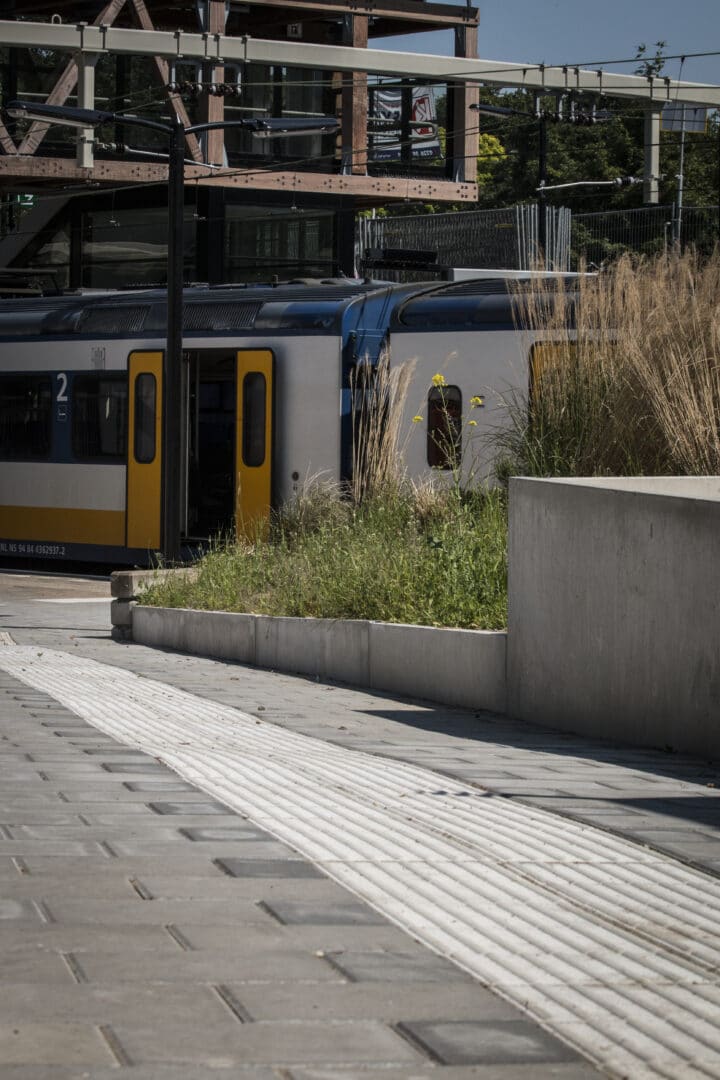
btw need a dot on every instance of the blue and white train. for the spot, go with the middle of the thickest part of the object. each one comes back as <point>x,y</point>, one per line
<point>266,401</point>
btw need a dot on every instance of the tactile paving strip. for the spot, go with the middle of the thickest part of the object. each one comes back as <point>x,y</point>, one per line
<point>612,946</point>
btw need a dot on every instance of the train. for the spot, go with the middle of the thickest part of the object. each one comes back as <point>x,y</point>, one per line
<point>266,395</point>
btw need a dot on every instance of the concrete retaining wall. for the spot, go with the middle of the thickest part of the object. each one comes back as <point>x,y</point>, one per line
<point>614,609</point>
<point>453,667</point>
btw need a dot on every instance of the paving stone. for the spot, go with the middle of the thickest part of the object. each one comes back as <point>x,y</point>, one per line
<point>198,808</point>
<point>391,1002</point>
<point>193,862</point>
<point>27,1043</point>
<point>290,867</point>
<point>224,833</point>
<point>546,1071</point>
<point>493,1042</point>
<point>172,783</point>
<point>221,915</point>
<point>422,966</point>
<point>141,768</point>
<point>347,913</point>
<point>32,965</point>
<point>18,910</point>
<point>78,937</point>
<point>320,940</point>
<point>156,1071</point>
<point>55,849</point>
<point>260,965</point>
<point>258,890</point>
<point>277,1043</point>
<point>108,1004</point>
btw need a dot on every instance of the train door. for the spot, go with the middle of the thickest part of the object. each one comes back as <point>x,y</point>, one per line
<point>144,471</point>
<point>254,441</point>
<point>229,433</point>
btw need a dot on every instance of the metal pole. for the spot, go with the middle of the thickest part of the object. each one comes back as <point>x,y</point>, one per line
<point>172,368</point>
<point>677,230</point>
<point>542,203</point>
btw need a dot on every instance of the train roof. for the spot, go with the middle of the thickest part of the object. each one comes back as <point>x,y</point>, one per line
<point>309,304</point>
<point>489,303</point>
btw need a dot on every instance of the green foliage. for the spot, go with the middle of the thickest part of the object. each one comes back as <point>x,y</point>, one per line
<point>432,557</point>
<point>601,151</point>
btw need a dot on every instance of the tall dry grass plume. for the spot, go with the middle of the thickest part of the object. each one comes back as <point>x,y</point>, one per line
<point>379,393</point>
<point>625,373</point>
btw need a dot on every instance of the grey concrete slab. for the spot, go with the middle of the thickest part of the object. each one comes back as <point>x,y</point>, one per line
<point>192,861</point>
<point>391,1002</point>
<point>288,867</point>
<point>166,785</point>
<point>166,886</point>
<point>77,937</point>
<point>385,966</point>
<point>27,1043</point>
<point>111,1004</point>
<point>33,965</point>
<point>13,910</point>
<point>486,1042</point>
<point>274,1042</point>
<point>325,940</point>
<point>156,1071</point>
<point>546,1071</point>
<point>221,915</point>
<point>260,965</point>
<point>224,833</point>
<point>207,807</point>
<point>345,913</point>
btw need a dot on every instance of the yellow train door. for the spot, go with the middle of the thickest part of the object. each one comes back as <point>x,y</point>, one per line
<point>144,472</point>
<point>253,444</point>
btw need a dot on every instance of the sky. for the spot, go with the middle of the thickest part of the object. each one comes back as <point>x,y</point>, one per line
<point>580,32</point>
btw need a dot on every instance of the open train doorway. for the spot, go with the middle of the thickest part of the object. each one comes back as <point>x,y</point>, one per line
<point>229,441</point>
<point>211,433</point>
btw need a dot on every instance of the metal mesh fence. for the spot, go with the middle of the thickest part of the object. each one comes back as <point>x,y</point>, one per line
<point>599,238</point>
<point>485,239</point>
<point>508,239</point>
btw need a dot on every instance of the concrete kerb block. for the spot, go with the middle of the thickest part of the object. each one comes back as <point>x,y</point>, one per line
<point>329,648</point>
<point>121,612</point>
<point>453,667</point>
<point>126,586</point>
<point>222,634</point>
<point>129,584</point>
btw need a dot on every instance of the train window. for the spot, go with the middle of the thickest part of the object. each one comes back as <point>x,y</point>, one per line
<point>145,416</point>
<point>99,417</point>
<point>25,417</point>
<point>253,436</point>
<point>444,427</point>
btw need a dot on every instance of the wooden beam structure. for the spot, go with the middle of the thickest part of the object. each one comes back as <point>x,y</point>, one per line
<point>146,23</point>
<point>63,174</point>
<point>354,101</point>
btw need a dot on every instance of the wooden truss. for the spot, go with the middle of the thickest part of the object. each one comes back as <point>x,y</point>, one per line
<point>22,165</point>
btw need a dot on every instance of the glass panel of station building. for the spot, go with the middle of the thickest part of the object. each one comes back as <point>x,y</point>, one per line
<point>49,252</point>
<point>261,243</point>
<point>273,91</point>
<point>128,247</point>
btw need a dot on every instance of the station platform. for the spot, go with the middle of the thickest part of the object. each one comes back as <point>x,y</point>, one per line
<point>210,870</point>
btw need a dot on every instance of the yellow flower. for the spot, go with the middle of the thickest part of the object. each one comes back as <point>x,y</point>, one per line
<point>438,380</point>
<point>476,402</point>
<point>472,423</point>
<point>417,420</point>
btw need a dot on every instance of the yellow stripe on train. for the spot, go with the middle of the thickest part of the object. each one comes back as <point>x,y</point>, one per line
<point>63,526</point>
